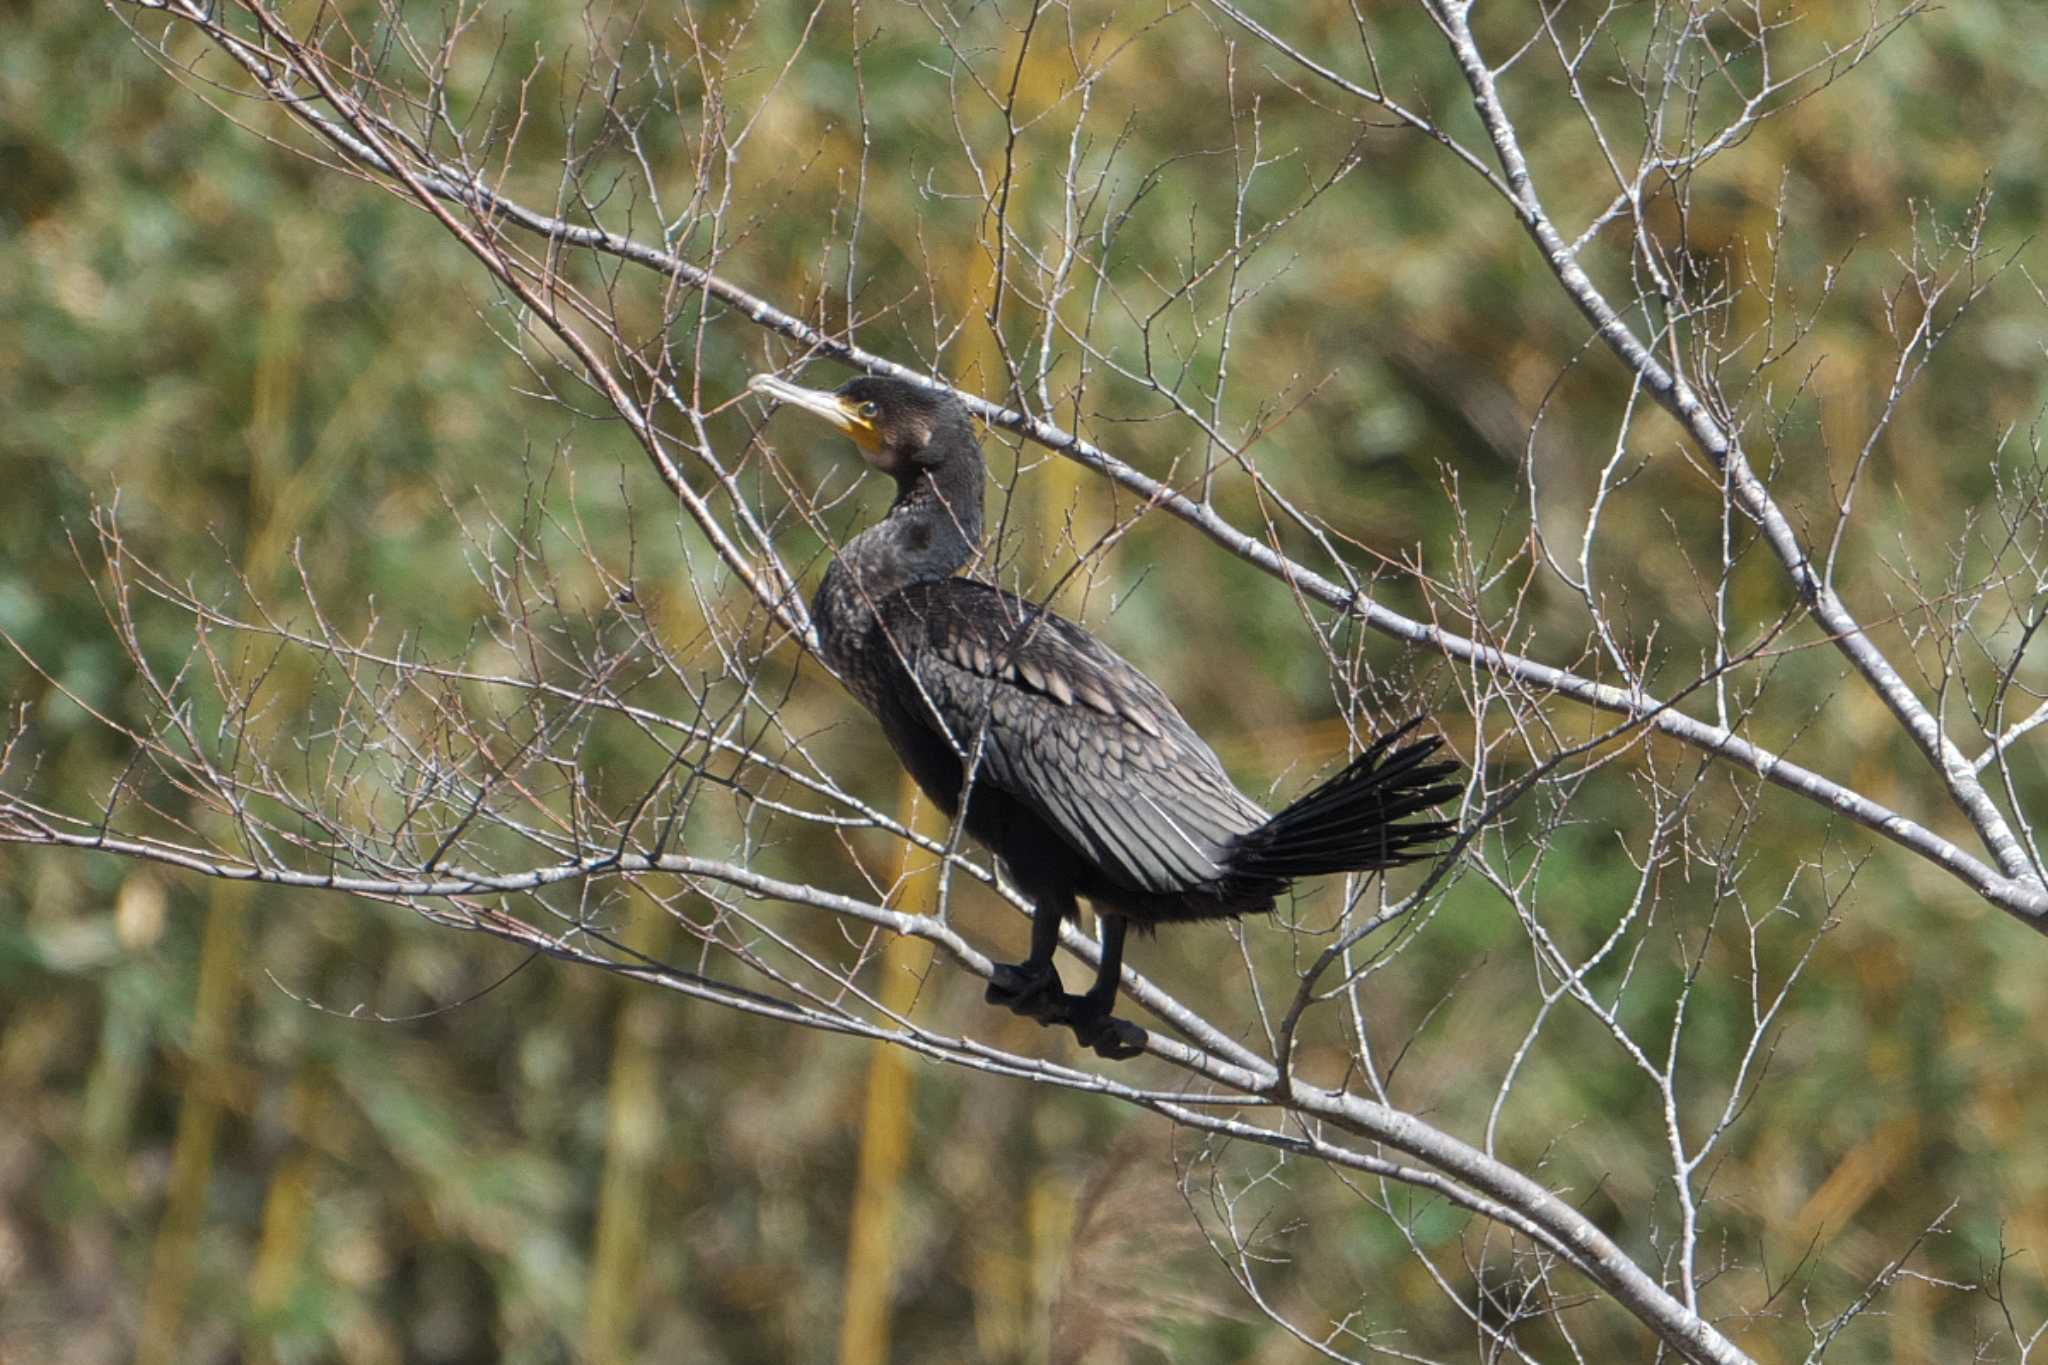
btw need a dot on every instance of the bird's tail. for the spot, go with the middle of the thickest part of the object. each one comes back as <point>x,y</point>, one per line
<point>1358,820</point>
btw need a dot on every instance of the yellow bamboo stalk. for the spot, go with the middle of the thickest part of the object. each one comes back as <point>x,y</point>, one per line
<point>287,1217</point>
<point>1049,1223</point>
<point>1858,1178</point>
<point>177,1235</point>
<point>885,1121</point>
<point>288,1199</point>
<point>1067,526</point>
<point>634,1131</point>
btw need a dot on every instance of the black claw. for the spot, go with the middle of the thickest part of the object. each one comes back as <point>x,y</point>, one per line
<point>1111,1037</point>
<point>1035,995</point>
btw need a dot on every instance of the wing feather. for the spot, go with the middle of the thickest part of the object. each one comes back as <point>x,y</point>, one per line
<point>1066,726</point>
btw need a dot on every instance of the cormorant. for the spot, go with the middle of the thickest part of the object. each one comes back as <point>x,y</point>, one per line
<point>1080,774</point>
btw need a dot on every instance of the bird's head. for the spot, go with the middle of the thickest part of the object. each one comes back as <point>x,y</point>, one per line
<point>900,427</point>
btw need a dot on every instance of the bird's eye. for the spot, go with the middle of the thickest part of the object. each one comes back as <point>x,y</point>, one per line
<point>870,409</point>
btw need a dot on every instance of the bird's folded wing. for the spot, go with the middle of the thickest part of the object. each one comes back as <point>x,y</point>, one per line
<point>1055,718</point>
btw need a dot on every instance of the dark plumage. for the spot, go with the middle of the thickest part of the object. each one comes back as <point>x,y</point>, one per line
<point>1086,781</point>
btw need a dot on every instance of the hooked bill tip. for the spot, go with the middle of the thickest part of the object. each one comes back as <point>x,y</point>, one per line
<point>782,391</point>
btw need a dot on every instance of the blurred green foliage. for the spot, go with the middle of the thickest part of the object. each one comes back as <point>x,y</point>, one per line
<point>285,371</point>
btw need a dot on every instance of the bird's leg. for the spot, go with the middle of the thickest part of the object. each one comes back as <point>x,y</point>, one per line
<point>1090,1016</point>
<point>1032,987</point>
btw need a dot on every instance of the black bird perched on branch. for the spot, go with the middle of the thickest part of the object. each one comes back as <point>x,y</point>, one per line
<point>1078,772</point>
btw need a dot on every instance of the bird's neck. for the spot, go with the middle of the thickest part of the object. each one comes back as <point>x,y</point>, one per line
<point>931,531</point>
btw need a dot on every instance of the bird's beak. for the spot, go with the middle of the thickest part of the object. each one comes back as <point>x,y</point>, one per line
<point>819,403</point>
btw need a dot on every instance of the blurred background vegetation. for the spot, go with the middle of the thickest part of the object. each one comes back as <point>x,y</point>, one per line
<point>281,371</point>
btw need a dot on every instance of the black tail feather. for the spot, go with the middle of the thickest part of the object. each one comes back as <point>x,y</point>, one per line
<point>1358,820</point>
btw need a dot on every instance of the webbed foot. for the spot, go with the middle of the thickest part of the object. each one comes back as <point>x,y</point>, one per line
<point>1033,994</point>
<point>1111,1037</point>
<point>1037,995</point>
